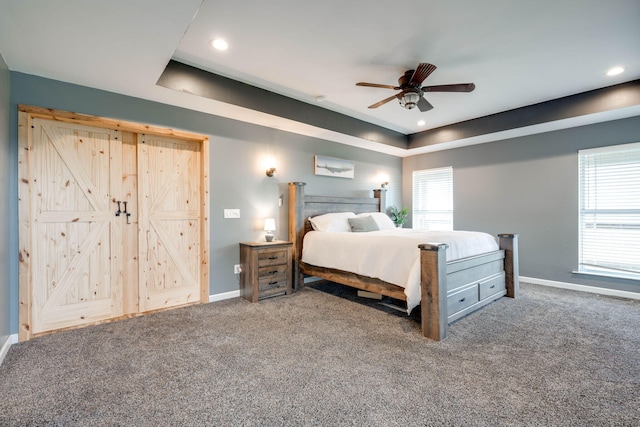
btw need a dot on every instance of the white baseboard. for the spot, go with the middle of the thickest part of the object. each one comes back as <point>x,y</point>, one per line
<point>581,288</point>
<point>224,296</point>
<point>4,348</point>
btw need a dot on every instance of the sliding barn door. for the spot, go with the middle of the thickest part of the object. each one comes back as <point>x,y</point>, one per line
<point>170,206</point>
<point>74,174</point>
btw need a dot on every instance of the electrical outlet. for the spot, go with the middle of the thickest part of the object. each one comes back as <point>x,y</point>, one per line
<point>237,269</point>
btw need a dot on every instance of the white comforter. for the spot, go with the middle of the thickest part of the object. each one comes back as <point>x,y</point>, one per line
<point>390,255</point>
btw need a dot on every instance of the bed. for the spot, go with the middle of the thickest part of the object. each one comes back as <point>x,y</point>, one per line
<point>448,290</point>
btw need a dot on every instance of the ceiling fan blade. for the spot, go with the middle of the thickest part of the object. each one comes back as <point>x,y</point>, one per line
<point>462,87</point>
<point>424,105</point>
<point>384,101</point>
<point>377,85</point>
<point>422,72</point>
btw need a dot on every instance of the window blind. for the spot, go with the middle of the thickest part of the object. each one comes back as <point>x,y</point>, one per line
<point>609,217</point>
<point>433,199</point>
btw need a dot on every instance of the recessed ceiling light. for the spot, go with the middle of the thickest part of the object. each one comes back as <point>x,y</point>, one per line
<point>615,71</point>
<point>422,123</point>
<point>219,44</point>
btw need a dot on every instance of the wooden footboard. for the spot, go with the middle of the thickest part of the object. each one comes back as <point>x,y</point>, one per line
<point>452,290</point>
<point>449,290</point>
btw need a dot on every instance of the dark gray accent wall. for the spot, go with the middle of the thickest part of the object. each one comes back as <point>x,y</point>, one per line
<point>595,101</point>
<point>238,179</point>
<point>529,186</point>
<point>5,207</point>
<point>185,78</point>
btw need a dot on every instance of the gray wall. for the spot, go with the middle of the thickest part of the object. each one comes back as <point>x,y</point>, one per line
<point>5,207</point>
<point>529,186</point>
<point>238,178</point>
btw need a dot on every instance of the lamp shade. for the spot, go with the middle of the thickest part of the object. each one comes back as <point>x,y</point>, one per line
<point>269,224</point>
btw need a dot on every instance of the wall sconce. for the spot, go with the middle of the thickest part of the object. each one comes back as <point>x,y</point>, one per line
<point>270,164</point>
<point>384,180</point>
<point>269,227</point>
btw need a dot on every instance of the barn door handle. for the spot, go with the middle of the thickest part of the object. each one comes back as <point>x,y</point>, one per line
<point>120,211</point>
<point>127,214</point>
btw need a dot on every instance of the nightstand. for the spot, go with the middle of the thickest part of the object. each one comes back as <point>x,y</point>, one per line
<point>266,269</point>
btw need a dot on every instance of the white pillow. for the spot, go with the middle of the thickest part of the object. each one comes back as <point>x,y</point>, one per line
<point>383,221</point>
<point>334,222</point>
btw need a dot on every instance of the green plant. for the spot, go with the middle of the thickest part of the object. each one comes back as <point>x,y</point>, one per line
<point>398,216</point>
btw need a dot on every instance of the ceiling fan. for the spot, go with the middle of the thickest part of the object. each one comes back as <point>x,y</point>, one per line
<point>412,94</point>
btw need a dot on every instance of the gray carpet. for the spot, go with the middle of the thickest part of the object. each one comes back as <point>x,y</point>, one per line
<point>550,358</point>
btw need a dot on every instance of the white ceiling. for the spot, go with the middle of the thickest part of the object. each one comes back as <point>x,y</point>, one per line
<point>517,52</point>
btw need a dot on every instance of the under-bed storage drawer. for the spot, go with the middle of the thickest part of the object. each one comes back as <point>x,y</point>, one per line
<point>492,286</point>
<point>462,299</point>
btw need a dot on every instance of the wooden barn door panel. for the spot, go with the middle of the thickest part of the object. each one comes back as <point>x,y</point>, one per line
<point>169,205</point>
<point>81,264</point>
<point>75,240</point>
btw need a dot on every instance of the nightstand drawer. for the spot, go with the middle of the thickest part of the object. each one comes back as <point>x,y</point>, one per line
<point>272,271</point>
<point>273,291</point>
<point>268,257</point>
<point>275,283</point>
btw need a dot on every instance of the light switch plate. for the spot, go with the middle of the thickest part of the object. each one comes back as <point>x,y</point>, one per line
<point>232,213</point>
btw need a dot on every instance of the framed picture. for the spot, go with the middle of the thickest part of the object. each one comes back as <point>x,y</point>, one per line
<point>328,166</point>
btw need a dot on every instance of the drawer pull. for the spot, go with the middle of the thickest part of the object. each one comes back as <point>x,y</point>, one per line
<point>273,257</point>
<point>273,283</point>
<point>462,300</point>
<point>492,286</point>
<point>273,272</point>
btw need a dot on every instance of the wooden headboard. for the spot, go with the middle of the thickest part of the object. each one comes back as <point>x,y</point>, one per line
<point>302,207</point>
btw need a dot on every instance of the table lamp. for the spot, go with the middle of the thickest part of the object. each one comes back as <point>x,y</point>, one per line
<point>269,227</point>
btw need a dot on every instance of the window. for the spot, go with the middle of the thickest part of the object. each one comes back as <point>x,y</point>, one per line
<point>609,220</point>
<point>433,199</point>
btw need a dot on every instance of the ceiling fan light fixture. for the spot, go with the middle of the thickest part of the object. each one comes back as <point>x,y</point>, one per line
<point>409,100</point>
<point>412,91</point>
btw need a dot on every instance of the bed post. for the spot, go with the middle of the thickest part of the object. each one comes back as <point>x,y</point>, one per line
<point>381,195</point>
<point>433,288</point>
<point>509,244</point>
<point>296,229</point>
